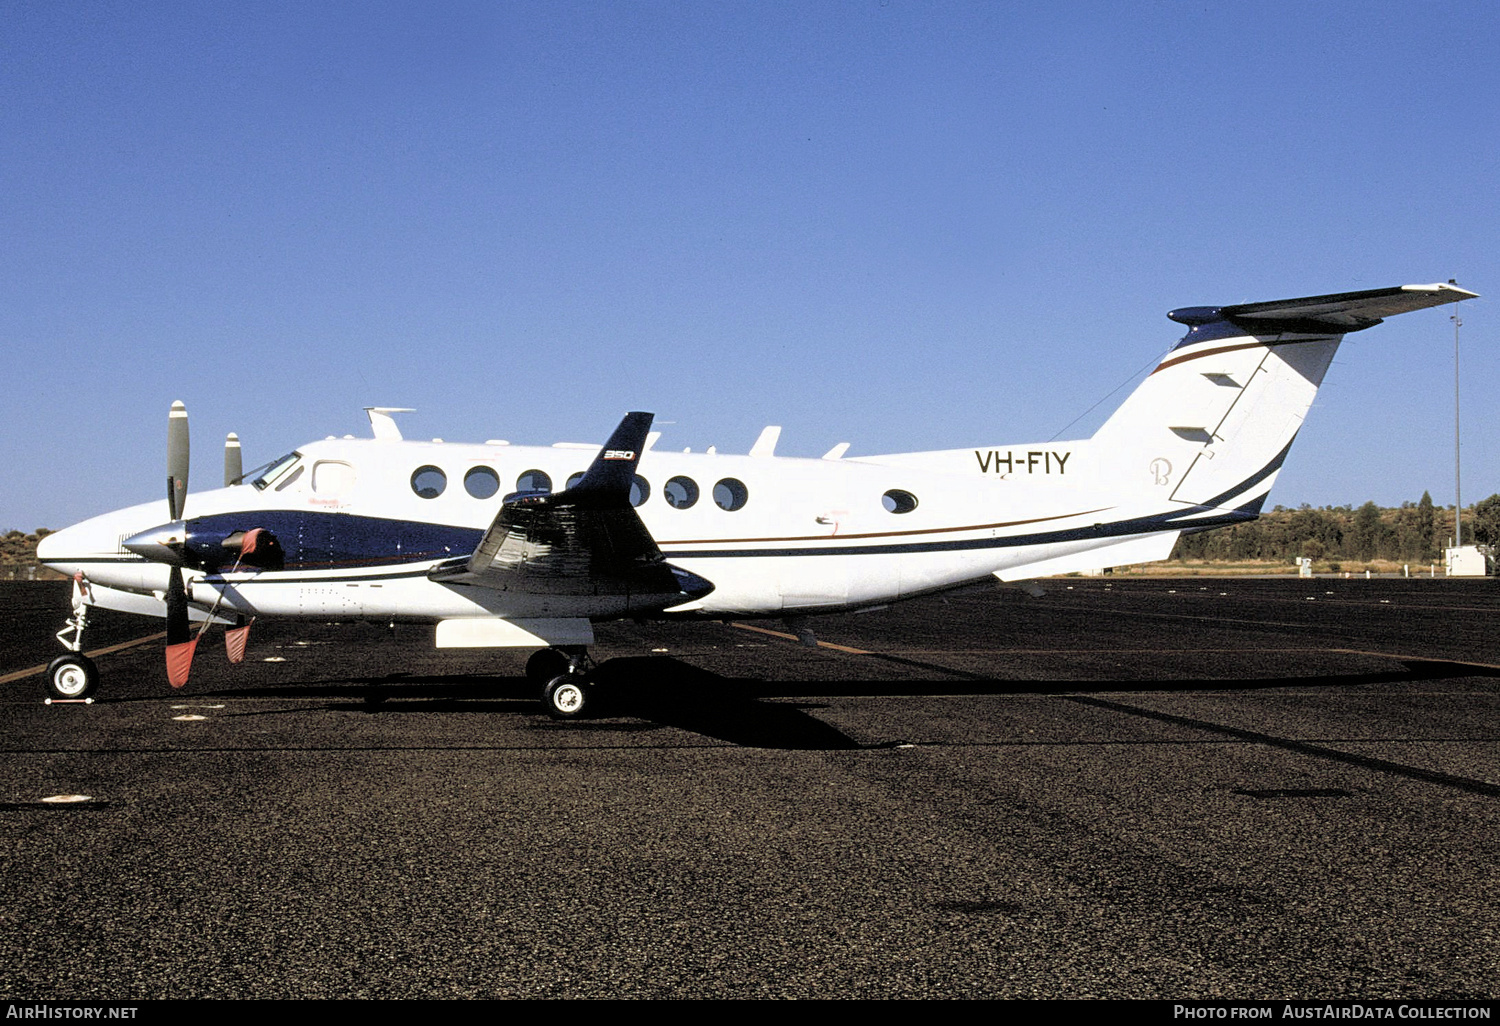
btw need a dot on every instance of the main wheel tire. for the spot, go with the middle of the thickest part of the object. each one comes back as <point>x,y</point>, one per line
<point>72,676</point>
<point>566,697</point>
<point>543,666</point>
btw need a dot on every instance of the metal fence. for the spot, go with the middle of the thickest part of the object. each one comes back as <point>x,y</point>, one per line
<point>28,572</point>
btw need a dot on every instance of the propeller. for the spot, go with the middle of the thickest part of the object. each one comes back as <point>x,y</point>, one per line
<point>236,637</point>
<point>171,543</point>
<point>234,469</point>
<point>180,641</point>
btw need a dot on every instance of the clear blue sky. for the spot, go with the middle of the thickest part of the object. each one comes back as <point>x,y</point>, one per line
<point>901,224</point>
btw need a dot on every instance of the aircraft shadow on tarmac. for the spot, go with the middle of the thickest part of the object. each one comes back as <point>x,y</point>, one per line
<point>664,691</point>
<point>659,690</point>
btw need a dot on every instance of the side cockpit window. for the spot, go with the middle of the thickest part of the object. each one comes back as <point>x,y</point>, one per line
<point>276,470</point>
<point>332,478</point>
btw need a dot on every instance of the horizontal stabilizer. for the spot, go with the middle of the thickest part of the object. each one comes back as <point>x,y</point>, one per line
<point>1342,311</point>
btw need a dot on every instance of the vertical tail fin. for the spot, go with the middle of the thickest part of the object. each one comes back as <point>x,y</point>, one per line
<point>1210,427</point>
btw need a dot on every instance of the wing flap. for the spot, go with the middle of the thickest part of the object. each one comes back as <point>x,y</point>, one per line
<point>497,632</point>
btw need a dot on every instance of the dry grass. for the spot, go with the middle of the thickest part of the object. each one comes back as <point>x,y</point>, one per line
<point>1278,568</point>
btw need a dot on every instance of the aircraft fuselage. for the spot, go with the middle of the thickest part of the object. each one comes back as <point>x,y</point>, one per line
<point>361,522</point>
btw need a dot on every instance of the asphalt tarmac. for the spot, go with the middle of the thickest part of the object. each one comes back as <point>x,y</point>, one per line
<point>1181,789</point>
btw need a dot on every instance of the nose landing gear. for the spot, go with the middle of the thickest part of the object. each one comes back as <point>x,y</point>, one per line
<point>73,677</point>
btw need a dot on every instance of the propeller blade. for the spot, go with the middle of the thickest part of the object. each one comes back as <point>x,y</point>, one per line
<point>234,468</point>
<point>235,640</point>
<point>180,641</point>
<point>177,459</point>
<point>180,662</point>
<point>178,630</point>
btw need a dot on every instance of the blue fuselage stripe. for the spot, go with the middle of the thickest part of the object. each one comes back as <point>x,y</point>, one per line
<point>1174,521</point>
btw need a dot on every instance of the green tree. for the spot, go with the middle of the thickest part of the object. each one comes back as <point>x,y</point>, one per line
<point>1365,539</point>
<point>1426,527</point>
<point>1484,529</point>
<point>1485,521</point>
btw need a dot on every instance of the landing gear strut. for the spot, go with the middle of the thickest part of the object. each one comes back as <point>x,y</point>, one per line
<point>567,692</point>
<point>546,664</point>
<point>73,677</point>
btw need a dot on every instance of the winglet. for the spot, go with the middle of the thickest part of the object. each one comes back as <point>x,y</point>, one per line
<point>609,477</point>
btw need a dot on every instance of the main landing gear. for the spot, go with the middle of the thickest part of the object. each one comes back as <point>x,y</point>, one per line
<point>567,691</point>
<point>73,677</point>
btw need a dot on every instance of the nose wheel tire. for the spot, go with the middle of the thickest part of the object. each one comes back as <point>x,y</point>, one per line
<point>72,676</point>
<point>566,697</point>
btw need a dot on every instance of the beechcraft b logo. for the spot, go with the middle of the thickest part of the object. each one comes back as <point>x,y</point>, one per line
<point>1161,471</point>
<point>619,454</point>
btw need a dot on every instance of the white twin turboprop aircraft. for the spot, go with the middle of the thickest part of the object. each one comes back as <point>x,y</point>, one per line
<point>394,530</point>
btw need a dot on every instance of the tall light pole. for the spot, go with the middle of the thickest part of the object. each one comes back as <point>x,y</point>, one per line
<point>1458,502</point>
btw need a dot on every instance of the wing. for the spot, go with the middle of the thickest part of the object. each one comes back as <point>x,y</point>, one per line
<point>584,541</point>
